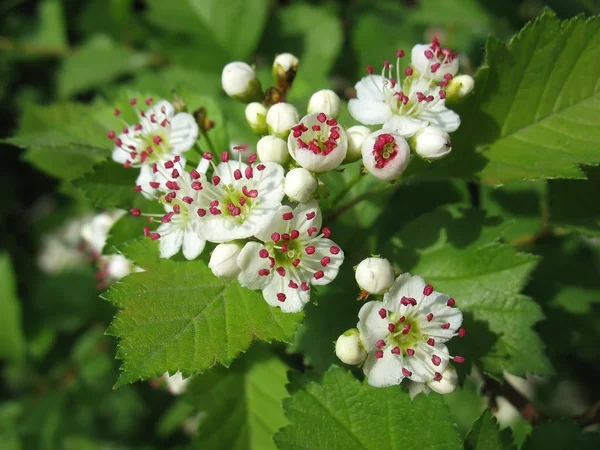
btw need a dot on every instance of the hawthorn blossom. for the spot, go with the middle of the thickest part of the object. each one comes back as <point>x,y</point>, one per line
<point>405,334</point>
<point>433,61</point>
<point>385,154</point>
<point>374,275</point>
<point>239,200</point>
<point>404,106</point>
<point>159,135</point>
<point>292,256</point>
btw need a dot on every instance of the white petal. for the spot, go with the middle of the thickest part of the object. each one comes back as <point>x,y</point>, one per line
<point>404,125</point>
<point>370,88</point>
<point>276,225</point>
<point>192,244</point>
<point>225,171</point>
<point>184,132</point>
<point>418,59</point>
<point>370,324</point>
<point>369,112</point>
<point>158,109</point>
<point>170,240</point>
<point>383,372</point>
<point>301,222</point>
<point>426,352</point>
<point>269,183</point>
<point>250,263</point>
<point>144,178</point>
<point>119,155</point>
<point>295,299</point>
<point>330,271</point>
<point>444,118</point>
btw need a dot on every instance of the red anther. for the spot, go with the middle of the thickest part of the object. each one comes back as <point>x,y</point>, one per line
<point>379,354</point>
<point>281,271</point>
<point>287,216</point>
<point>315,128</point>
<point>175,173</point>
<point>451,302</point>
<point>318,275</point>
<point>296,262</point>
<point>448,76</point>
<point>133,101</point>
<point>176,159</point>
<point>237,174</point>
<point>176,209</point>
<point>264,272</point>
<point>304,286</point>
<point>127,164</point>
<point>117,112</point>
<point>110,134</point>
<point>437,377</point>
<point>275,237</point>
<point>428,54</point>
<point>442,94</point>
<point>400,53</point>
<point>406,372</point>
<point>252,194</point>
<point>382,313</point>
<point>138,188</point>
<point>201,212</point>
<point>146,231</point>
<point>261,167</point>
<point>431,342</point>
<point>436,360</point>
<point>370,70</point>
<point>311,231</point>
<point>216,180</point>
<point>225,157</point>
<point>214,211</point>
<point>386,64</point>
<point>406,329</point>
<point>325,260</point>
<point>197,186</point>
<point>428,290</point>
<point>292,285</point>
<point>137,127</point>
<point>252,159</point>
<point>380,343</point>
<point>263,253</point>
<point>396,350</point>
<point>334,250</point>
<point>155,236</point>
<point>429,317</point>
<point>391,327</point>
<point>285,236</point>
<point>310,249</point>
<point>249,172</point>
<point>332,122</point>
<point>281,297</point>
<point>167,217</point>
<point>326,232</point>
<point>458,359</point>
<point>208,156</point>
<point>157,140</point>
<point>310,215</point>
<point>445,326</point>
<point>186,199</point>
<point>434,67</point>
<point>135,212</point>
<point>143,157</point>
<point>410,352</point>
<point>148,101</point>
<point>408,72</point>
<point>169,165</point>
<point>118,142</point>
<point>322,117</point>
<point>164,123</point>
<point>294,234</point>
<point>462,332</point>
<point>195,174</point>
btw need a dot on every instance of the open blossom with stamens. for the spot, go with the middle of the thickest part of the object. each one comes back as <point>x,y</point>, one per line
<point>405,334</point>
<point>434,62</point>
<point>159,135</point>
<point>318,143</point>
<point>239,200</point>
<point>385,154</point>
<point>402,105</point>
<point>292,256</point>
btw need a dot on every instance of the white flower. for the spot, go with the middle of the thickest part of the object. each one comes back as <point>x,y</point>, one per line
<point>349,348</point>
<point>385,154</point>
<point>460,87</point>
<point>318,143</point>
<point>272,148</point>
<point>159,135</point>
<point>281,117</point>
<point>256,116</point>
<point>223,261</point>
<point>405,334</point>
<point>95,231</point>
<point>431,143</point>
<point>434,62</point>
<point>300,185</point>
<point>56,256</point>
<point>325,101</point>
<point>117,266</point>
<point>176,384</point>
<point>402,106</point>
<point>240,82</point>
<point>356,136</point>
<point>285,62</point>
<point>239,200</point>
<point>292,256</point>
<point>374,275</point>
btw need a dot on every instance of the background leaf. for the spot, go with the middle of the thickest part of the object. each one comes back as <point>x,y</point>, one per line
<point>485,435</point>
<point>12,341</point>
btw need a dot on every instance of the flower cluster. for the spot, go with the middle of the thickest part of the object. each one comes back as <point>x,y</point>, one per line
<point>404,335</point>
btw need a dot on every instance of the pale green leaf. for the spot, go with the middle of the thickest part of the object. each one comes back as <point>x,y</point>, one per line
<point>51,32</point>
<point>240,406</point>
<point>12,341</point>
<point>342,413</point>
<point>177,316</point>
<point>485,435</point>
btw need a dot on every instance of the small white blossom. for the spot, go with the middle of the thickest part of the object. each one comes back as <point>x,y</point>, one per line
<point>293,256</point>
<point>256,116</point>
<point>300,185</point>
<point>285,62</point>
<point>159,135</point>
<point>239,81</point>
<point>318,143</point>
<point>272,148</point>
<point>385,155</point>
<point>433,61</point>
<point>281,117</point>
<point>176,384</point>
<point>374,275</point>
<point>356,136</point>
<point>95,231</point>
<point>223,261</point>
<point>460,87</point>
<point>325,101</point>
<point>405,334</point>
<point>431,143</point>
<point>349,348</point>
<point>117,266</point>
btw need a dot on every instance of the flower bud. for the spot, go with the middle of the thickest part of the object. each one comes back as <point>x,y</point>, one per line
<point>431,142</point>
<point>374,275</point>
<point>385,154</point>
<point>281,117</point>
<point>300,185</point>
<point>318,143</point>
<point>223,261</point>
<point>285,67</point>
<point>256,116</point>
<point>325,101</point>
<point>349,348</point>
<point>272,149</point>
<point>432,60</point>
<point>240,82</point>
<point>356,136</point>
<point>448,382</point>
<point>459,88</point>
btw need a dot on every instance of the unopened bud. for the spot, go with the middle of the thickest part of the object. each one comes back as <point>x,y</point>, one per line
<point>431,143</point>
<point>459,88</point>
<point>349,348</point>
<point>281,117</point>
<point>272,149</point>
<point>223,261</point>
<point>448,382</point>
<point>256,116</point>
<point>285,67</point>
<point>240,82</point>
<point>374,275</point>
<point>356,136</point>
<point>385,154</point>
<point>300,185</point>
<point>325,101</point>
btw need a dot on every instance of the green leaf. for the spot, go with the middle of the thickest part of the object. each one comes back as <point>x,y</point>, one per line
<point>485,435</point>
<point>178,316</point>
<point>537,107</point>
<point>97,62</point>
<point>109,185</point>
<point>561,435</point>
<point>241,405</point>
<point>342,413</point>
<point>51,32</point>
<point>458,253</point>
<point>12,341</point>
